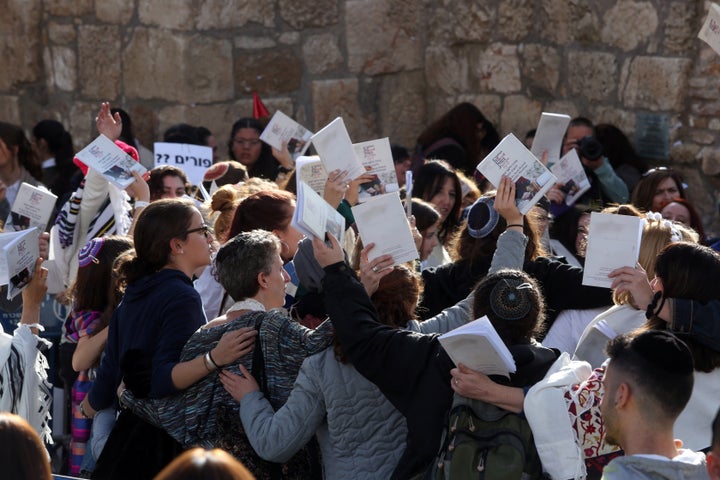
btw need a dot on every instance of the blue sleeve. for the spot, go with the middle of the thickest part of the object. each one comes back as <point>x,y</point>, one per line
<point>699,320</point>
<point>612,185</point>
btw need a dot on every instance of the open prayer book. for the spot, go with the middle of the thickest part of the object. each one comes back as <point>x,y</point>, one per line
<point>549,136</point>
<point>310,170</point>
<point>478,346</point>
<point>613,242</point>
<point>282,128</point>
<point>513,159</point>
<point>111,161</point>
<point>376,158</point>
<point>19,251</point>
<point>570,172</point>
<point>314,216</point>
<point>32,208</point>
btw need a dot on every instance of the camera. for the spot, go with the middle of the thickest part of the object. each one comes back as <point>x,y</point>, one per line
<point>590,148</point>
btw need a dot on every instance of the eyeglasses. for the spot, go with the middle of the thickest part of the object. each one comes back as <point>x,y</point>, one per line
<point>204,228</point>
<point>246,143</point>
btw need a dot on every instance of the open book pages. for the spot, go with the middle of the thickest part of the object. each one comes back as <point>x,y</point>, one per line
<point>19,250</point>
<point>479,347</point>
<point>376,157</point>
<point>549,136</point>
<point>284,129</point>
<point>570,172</point>
<point>381,220</point>
<point>513,159</point>
<point>710,31</point>
<point>336,150</point>
<point>314,216</point>
<point>310,170</point>
<point>613,242</point>
<point>32,208</point>
<point>111,161</point>
<point>194,160</point>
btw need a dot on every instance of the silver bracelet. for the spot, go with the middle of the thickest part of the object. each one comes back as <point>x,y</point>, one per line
<point>209,362</point>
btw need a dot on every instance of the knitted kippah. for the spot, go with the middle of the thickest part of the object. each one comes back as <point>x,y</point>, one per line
<point>511,299</point>
<point>664,351</point>
<point>89,253</point>
<point>482,217</point>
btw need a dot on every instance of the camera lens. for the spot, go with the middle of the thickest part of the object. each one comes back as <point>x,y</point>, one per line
<point>590,148</point>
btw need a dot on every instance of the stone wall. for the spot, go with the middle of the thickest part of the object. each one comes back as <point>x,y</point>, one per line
<point>387,66</point>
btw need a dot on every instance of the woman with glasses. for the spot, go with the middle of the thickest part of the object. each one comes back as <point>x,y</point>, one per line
<point>159,312</point>
<point>259,158</point>
<point>658,187</point>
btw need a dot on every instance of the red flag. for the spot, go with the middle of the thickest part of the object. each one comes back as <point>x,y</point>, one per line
<point>259,110</point>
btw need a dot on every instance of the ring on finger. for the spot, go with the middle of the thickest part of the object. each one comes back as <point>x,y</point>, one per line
<point>375,269</point>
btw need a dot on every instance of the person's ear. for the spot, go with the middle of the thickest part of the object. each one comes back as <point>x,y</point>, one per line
<point>622,395</point>
<point>262,280</point>
<point>176,246</point>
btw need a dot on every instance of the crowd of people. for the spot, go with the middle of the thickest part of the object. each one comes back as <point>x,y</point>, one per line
<point>207,338</point>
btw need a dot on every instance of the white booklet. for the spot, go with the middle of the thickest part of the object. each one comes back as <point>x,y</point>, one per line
<point>479,347</point>
<point>310,170</point>
<point>376,157</point>
<point>336,151</point>
<point>613,242</point>
<point>513,159</point>
<point>382,221</point>
<point>32,208</point>
<point>570,172</point>
<point>314,216</point>
<point>710,31</point>
<point>549,136</point>
<point>20,250</point>
<point>111,161</point>
<point>284,129</point>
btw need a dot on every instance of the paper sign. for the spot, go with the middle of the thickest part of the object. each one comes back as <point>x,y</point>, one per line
<point>194,160</point>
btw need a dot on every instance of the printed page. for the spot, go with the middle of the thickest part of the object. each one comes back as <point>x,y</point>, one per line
<point>336,150</point>
<point>478,346</point>
<point>613,242</point>
<point>710,31</point>
<point>111,161</point>
<point>20,250</point>
<point>32,208</point>
<point>570,172</point>
<point>284,129</point>
<point>382,221</point>
<point>313,216</point>
<point>376,157</point>
<point>513,159</point>
<point>549,136</point>
<point>194,160</point>
<point>311,171</point>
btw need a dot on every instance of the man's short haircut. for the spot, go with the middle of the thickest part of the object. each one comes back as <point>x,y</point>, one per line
<point>659,365</point>
<point>581,122</point>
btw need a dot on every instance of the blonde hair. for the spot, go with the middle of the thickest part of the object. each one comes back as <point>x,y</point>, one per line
<point>222,209</point>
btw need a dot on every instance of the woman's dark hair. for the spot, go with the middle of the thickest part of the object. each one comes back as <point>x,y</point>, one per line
<point>565,228</point>
<point>242,258</point>
<point>22,455</point>
<point>268,210</point>
<point>617,147</point>
<point>461,124</point>
<point>266,165</point>
<point>200,464</point>
<point>58,140</point>
<point>182,133</point>
<point>14,137</point>
<point>689,271</point>
<point>642,196</point>
<point>96,285</point>
<point>157,176</point>
<point>429,180</point>
<point>695,221</point>
<point>160,222</point>
<point>504,293</point>
<point>425,214</point>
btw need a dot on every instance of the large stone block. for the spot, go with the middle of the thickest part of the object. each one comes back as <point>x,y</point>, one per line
<point>655,83</point>
<point>10,109</point>
<point>65,8</point>
<point>496,69</point>
<point>541,68</point>
<point>516,19</point>
<point>592,75</point>
<point>190,69</point>
<point>60,67</point>
<point>710,160</point>
<point>620,24</point>
<point>166,14</point>
<point>341,98</point>
<point>459,21</point>
<point>221,14</point>
<point>681,27</point>
<point>565,21</point>
<point>268,72</point>
<point>619,117</point>
<point>81,122</point>
<point>99,61</point>
<point>402,107</point>
<point>253,43</point>
<point>19,42</point>
<point>383,36</point>
<point>519,115</point>
<point>300,15</point>
<point>321,53</point>
<point>114,11</point>
<point>446,70</point>
<point>61,33</point>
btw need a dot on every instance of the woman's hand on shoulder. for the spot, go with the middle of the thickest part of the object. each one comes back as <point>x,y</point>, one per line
<point>233,345</point>
<point>238,386</point>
